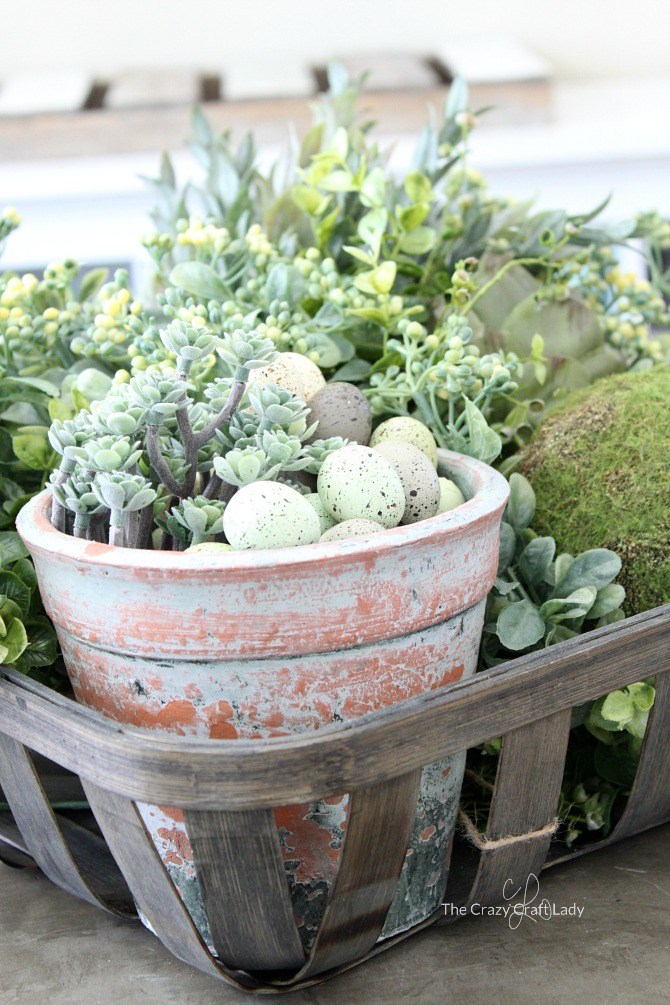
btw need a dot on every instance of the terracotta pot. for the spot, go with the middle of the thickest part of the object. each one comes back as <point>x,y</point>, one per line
<point>265,643</point>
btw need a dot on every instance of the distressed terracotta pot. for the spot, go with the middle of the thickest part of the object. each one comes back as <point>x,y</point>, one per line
<point>258,644</point>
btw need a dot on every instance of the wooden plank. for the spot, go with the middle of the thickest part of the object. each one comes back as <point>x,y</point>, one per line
<point>247,774</point>
<point>133,849</point>
<point>525,799</point>
<point>134,130</point>
<point>390,71</point>
<point>37,823</point>
<point>272,77</point>
<point>36,93</point>
<point>149,88</point>
<point>377,835</point>
<point>244,890</point>
<point>649,802</point>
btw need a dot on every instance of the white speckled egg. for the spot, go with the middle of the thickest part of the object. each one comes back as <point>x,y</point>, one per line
<point>293,372</point>
<point>418,476</point>
<point>325,519</point>
<point>401,427</point>
<point>209,546</point>
<point>357,483</point>
<point>341,409</point>
<point>270,515</point>
<point>352,528</point>
<point>450,495</point>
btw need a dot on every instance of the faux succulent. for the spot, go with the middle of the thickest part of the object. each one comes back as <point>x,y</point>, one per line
<point>155,455</point>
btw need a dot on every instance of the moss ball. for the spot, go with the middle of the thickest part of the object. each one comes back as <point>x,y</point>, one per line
<point>600,468</point>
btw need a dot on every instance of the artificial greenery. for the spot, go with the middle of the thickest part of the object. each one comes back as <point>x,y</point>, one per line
<point>469,311</point>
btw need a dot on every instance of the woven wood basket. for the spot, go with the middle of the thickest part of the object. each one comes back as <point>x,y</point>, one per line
<point>228,791</point>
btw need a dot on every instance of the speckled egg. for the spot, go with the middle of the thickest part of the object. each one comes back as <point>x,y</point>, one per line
<point>325,519</point>
<point>341,409</point>
<point>293,372</point>
<point>270,515</point>
<point>357,483</point>
<point>209,546</point>
<point>450,495</point>
<point>401,427</point>
<point>418,476</point>
<point>352,528</point>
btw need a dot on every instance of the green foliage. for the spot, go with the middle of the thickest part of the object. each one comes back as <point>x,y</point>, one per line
<point>157,436</point>
<point>27,638</point>
<point>541,598</point>
<point>599,469</point>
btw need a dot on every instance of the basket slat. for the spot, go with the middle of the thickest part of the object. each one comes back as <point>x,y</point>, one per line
<point>526,794</point>
<point>154,891</point>
<point>243,883</point>
<point>377,835</point>
<point>42,832</point>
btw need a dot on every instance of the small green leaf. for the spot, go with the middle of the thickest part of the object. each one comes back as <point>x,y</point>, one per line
<point>520,626</point>
<point>199,279</point>
<point>521,506</point>
<point>410,217</point>
<point>642,695</point>
<point>507,547</point>
<point>91,283</point>
<point>483,442</point>
<point>352,371</point>
<point>11,547</point>
<point>536,558</point>
<point>418,187</point>
<point>15,641</point>
<point>418,241</point>
<point>593,568</point>
<point>609,598</point>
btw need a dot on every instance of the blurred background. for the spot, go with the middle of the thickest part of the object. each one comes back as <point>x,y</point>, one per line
<point>90,96</point>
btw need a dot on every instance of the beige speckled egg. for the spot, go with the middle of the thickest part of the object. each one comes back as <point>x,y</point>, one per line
<point>270,515</point>
<point>209,546</point>
<point>341,409</point>
<point>293,372</point>
<point>401,427</point>
<point>357,483</point>
<point>418,476</point>
<point>352,528</point>
<point>450,495</point>
<point>325,519</point>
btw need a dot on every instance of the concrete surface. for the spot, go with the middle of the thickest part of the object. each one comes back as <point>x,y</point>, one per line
<point>55,950</point>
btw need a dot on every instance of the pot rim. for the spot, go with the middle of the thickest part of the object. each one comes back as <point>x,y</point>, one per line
<point>491,492</point>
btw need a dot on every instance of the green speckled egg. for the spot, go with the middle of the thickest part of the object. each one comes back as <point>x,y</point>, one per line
<point>401,427</point>
<point>357,483</point>
<point>270,515</point>
<point>341,409</point>
<point>325,519</point>
<point>351,528</point>
<point>418,476</point>
<point>293,372</point>
<point>450,495</point>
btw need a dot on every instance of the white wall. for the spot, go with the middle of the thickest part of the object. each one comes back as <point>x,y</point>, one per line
<point>581,38</point>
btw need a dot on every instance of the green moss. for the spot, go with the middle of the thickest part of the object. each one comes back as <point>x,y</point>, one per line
<point>600,467</point>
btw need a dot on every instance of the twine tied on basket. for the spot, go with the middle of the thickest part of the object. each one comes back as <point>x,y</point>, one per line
<point>484,843</point>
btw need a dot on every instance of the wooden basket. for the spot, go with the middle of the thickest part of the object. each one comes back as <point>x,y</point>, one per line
<point>228,790</point>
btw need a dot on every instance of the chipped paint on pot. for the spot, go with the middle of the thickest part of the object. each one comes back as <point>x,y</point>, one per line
<point>268,643</point>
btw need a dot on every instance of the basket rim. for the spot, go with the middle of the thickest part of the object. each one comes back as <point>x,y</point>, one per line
<point>243,773</point>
